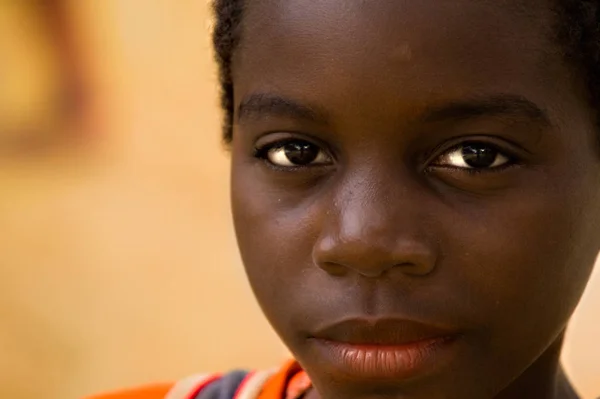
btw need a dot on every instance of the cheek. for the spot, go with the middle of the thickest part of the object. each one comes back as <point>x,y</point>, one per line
<point>275,240</point>
<point>524,258</point>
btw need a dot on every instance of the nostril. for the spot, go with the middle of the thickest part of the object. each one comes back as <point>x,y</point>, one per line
<point>334,269</point>
<point>420,269</point>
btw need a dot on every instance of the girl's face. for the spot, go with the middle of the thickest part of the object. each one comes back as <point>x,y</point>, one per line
<point>415,191</point>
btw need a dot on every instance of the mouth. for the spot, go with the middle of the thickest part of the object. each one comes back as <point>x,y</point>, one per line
<point>384,348</point>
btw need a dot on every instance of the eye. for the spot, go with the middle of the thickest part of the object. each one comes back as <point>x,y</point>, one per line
<point>294,153</point>
<point>474,156</point>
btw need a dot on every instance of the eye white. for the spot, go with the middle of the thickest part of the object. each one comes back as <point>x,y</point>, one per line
<point>278,157</point>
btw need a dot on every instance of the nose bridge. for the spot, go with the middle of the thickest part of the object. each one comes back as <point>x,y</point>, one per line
<point>366,206</point>
<point>373,226</point>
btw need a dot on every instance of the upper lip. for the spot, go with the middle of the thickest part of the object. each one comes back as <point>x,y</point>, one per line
<point>381,332</point>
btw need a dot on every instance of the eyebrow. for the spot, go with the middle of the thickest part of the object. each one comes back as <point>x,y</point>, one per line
<point>260,105</point>
<point>497,105</point>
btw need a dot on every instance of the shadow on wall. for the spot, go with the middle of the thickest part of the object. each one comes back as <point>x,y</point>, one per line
<point>118,260</point>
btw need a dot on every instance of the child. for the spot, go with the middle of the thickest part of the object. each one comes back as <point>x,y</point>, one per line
<point>415,190</point>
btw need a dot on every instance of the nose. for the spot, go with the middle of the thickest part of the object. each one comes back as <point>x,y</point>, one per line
<point>373,227</point>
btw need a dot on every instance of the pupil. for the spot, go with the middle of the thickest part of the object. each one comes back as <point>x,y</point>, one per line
<point>301,153</point>
<point>479,155</point>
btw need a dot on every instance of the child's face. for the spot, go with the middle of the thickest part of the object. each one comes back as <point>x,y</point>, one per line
<point>449,187</point>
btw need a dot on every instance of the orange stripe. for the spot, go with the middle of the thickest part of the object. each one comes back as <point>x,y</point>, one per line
<point>298,385</point>
<point>276,386</point>
<point>157,391</point>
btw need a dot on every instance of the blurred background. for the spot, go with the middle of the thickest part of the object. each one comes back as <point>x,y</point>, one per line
<point>118,264</point>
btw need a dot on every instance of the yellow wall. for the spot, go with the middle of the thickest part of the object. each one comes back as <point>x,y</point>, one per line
<point>118,261</point>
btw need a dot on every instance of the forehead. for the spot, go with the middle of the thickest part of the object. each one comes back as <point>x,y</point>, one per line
<point>386,24</point>
<point>386,19</point>
<point>412,51</point>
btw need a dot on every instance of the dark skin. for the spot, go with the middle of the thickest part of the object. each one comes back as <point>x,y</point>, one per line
<point>355,193</point>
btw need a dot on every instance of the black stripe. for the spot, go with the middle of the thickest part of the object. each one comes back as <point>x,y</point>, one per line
<point>223,388</point>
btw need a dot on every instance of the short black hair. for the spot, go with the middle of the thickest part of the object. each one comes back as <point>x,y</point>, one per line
<point>577,32</point>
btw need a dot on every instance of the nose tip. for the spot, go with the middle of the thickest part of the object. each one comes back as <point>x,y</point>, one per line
<point>373,223</point>
<point>373,258</point>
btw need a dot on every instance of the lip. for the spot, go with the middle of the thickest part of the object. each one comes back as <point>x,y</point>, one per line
<point>384,348</point>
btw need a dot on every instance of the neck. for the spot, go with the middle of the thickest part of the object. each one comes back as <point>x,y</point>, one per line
<point>544,379</point>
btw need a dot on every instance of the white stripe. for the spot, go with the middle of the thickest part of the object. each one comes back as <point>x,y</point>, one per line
<point>184,388</point>
<point>252,387</point>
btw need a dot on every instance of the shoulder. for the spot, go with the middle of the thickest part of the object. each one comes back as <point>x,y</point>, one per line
<point>238,384</point>
<point>201,386</point>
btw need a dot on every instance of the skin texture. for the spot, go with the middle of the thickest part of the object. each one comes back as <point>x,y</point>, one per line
<point>386,226</point>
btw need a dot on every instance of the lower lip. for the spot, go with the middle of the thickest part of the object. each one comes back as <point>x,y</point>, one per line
<point>398,362</point>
